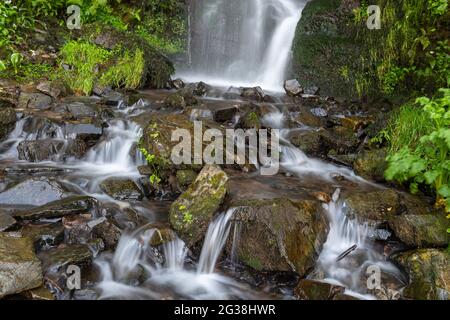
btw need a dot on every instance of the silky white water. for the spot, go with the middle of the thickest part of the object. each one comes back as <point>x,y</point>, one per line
<point>242,43</point>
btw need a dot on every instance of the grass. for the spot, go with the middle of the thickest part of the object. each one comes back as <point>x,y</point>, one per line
<point>127,72</point>
<point>405,128</point>
<point>85,58</point>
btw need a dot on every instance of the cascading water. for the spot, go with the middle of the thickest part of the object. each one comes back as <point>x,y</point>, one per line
<point>246,43</point>
<point>134,256</point>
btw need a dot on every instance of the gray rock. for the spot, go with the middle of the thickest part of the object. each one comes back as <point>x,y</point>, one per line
<point>48,149</point>
<point>121,189</point>
<point>293,87</point>
<point>34,101</point>
<point>6,221</point>
<point>44,236</point>
<point>256,93</point>
<point>55,259</point>
<point>7,121</point>
<point>20,269</point>
<point>79,110</point>
<point>34,191</point>
<point>53,89</point>
<point>59,208</point>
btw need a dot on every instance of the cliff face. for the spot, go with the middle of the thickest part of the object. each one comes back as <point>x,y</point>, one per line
<point>408,56</point>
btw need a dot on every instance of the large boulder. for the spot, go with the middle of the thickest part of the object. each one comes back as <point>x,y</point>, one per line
<point>192,212</point>
<point>293,88</point>
<point>429,273</point>
<point>371,164</point>
<point>20,269</point>
<point>9,93</point>
<point>414,222</point>
<point>7,121</point>
<point>317,290</point>
<point>280,234</point>
<point>34,100</point>
<point>33,192</point>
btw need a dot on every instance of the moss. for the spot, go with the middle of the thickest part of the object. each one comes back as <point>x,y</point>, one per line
<point>126,72</point>
<point>252,262</point>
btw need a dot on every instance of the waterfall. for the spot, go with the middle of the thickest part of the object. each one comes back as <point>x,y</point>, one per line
<point>247,43</point>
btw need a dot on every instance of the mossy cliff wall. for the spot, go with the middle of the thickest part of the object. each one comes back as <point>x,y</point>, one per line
<point>335,50</point>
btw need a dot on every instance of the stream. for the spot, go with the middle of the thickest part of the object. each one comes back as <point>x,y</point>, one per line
<point>226,51</point>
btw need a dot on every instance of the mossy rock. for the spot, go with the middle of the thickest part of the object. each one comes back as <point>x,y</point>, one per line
<point>429,273</point>
<point>7,121</point>
<point>186,177</point>
<point>280,234</point>
<point>192,212</point>
<point>371,164</point>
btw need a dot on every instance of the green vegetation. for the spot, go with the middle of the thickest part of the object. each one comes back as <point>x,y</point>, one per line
<point>425,160</point>
<point>85,59</point>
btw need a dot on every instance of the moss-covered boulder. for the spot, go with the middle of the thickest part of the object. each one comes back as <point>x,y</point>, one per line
<point>20,269</point>
<point>280,234</point>
<point>429,273</point>
<point>413,221</point>
<point>317,290</point>
<point>121,189</point>
<point>7,121</point>
<point>371,164</point>
<point>192,212</point>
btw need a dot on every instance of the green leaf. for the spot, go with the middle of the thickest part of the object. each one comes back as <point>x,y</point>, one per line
<point>445,191</point>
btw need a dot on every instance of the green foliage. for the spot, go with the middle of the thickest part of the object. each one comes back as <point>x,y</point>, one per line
<point>152,161</point>
<point>126,72</point>
<point>405,127</point>
<point>429,161</point>
<point>85,59</point>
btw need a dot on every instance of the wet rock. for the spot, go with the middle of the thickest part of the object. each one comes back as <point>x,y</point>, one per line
<point>177,84</point>
<point>159,233</point>
<point>54,89</point>
<point>6,221</point>
<point>308,141</point>
<point>307,118</point>
<point>340,139</point>
<point>421,230</point>
<point>292,87</point>
<point>55,259</point>
<point>59,208</point>
<point>249,120</point>
<point>199,89</point>
<point>354,123</point>
<point>79,110</point>
<point>319,112</point>
<point>224,114</point>
<point>88,133</point>
<point>371,164</point>
<point>344,297</point>
<point>33,191</point>
<point>49,149</point>
<point>121,189</point>
<point>41,293</point>
<point>313,90</point>
<point>280,234</point>
<point>112,98</point>
<point>175,101</point>
<point>200,114</point>
<point>41,126</point>
<point>20,269</point>
<point>34,101</point>
<point>77,229</point>
<point>107,231</point>
<point>192,212</point>
<point>9,93</point>
<point>85,294</point>
<point>7,121</point>
<point>316,290</point>
<point>256,93</point>
<point>429,273</point>
<point>186,177</point>
<point>44,236</point>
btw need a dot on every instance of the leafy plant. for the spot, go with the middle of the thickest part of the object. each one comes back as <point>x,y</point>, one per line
<point>16,59</point>
<point>2,66</point>
<point>429,162</point>
<point>127,71</point>
<point>155,178</point>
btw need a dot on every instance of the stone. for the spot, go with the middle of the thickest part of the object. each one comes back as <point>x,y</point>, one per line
<point>192,212</point>
<point>186,177</point>
<point>41,293</point>
<point>310,142</point>
<point>319,112</point>
<point>256,93</point>
<point>312,90</point>
<point>49,149</point>
<point>20,269</point>
<point>34,101</point>
<point>175,101</point>
<point>293,87</point>
<point>317,290</point>
<point>249,120</point>
<point>89,133</point>
<point>54,89</point>
<point>429,273</point>
<point>44,236</point>
<point>121,189</point>
<point>177,84</point>
<point>55,259</point>
<point>280,234</point>
<point>224,114</point>
<point>9,93</point>
<point>107,231</point>
<point>7,121</point>
<point>59,208</point>
<point>6,221</point>
<point>34,192</point>
<point>79,110</point>
<point>371,164</point>
<point>307,118</point>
